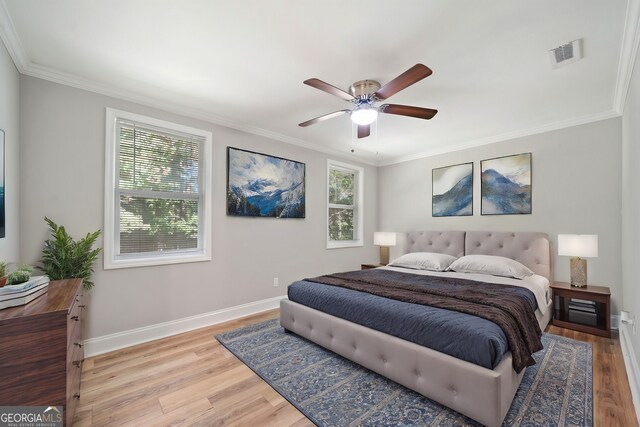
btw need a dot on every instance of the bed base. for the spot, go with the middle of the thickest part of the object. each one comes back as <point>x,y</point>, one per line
<point>482,394</point>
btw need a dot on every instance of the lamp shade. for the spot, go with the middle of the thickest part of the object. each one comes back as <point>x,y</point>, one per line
<point>578,245</point>
<point>384,238</point>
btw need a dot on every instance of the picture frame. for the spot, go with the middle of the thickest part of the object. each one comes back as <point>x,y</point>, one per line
<point>506,185</point>
<point>263,185</point>
<point>452,190</point>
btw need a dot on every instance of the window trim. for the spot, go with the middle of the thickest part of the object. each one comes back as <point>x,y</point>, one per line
<point>358,207</point>
<point>112,259</point>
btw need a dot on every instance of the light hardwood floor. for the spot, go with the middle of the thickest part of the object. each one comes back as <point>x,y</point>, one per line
<point>190,379</point>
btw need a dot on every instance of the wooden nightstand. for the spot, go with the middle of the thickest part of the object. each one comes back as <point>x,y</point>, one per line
<point>582,309</point>
<point>368,266</point>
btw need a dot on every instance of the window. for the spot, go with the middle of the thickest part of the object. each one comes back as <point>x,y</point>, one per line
<point>344,205</point>
<point>157,192</point>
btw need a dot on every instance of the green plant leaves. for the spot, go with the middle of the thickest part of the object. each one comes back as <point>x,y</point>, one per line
<point>19,276</point>
<point>64,258</point>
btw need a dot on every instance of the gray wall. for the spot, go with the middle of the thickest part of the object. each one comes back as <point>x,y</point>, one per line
<point>63,137</point>
<point>9,122</point>
<point>631,203</point>
<point>576,189</point>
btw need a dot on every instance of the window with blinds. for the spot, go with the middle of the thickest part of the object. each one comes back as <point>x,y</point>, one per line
<point>159,194</point>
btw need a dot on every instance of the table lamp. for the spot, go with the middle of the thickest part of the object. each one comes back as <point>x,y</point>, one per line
<point>384,239</point>
<point>578,246</point>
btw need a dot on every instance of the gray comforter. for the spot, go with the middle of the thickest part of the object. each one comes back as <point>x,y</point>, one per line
<point>477,340</point>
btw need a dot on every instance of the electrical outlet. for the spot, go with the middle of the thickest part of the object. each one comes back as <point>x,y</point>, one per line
<point>628,318</point>
<point>276,283</point>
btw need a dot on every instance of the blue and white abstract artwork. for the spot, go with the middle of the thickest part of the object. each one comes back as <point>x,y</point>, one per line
<point>506,185</point>
<point>263,185</point>
<point>452,190</point>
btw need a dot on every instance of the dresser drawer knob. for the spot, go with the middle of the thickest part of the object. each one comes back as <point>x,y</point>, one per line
<point>76,318</point>
<point>76,396</point>
<point>76,363</point>
<point>82,306</point>
<point>78,344</point>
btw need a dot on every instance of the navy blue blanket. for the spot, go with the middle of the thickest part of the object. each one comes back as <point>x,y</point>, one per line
<point>478,341</point>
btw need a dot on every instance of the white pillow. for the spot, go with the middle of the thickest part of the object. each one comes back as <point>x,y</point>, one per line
<point>424,261</point>
<point>488,264</point>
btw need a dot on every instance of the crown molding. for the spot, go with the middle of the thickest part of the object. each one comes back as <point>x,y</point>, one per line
<point>628,53</point>
<point>67,79</point>
<point>629,49</point>
<point>10,38</point>
<point>504,137</point>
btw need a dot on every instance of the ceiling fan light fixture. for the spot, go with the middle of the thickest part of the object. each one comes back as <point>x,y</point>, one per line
<point>364,115</point>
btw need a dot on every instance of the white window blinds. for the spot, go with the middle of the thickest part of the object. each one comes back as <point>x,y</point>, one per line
<point>158,190</point>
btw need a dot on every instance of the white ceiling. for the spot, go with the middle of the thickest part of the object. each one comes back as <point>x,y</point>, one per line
<point>242,62</point>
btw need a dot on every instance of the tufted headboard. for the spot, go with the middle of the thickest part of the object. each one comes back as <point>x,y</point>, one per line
<point>529,248</point>
<point>442,242</point>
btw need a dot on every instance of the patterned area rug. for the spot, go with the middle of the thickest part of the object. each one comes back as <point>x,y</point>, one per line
<point>333,391</point>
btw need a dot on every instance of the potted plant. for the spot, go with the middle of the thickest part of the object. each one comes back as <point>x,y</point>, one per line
<point>65,258</point>
<point>21,275</point>
<point>3,273</point>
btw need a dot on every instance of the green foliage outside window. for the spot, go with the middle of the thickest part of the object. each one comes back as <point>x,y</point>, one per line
<point>155,162</point>
<point>341,196</point>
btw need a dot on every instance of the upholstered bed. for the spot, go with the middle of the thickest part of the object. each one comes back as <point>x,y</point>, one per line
<point>481,393</point>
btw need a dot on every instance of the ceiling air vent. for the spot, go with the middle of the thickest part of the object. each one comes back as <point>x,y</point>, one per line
<point>566,54</point>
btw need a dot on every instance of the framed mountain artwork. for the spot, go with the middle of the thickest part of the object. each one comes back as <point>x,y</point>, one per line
<point>261,185</point>
<point>506,185</point>
<point>452,190</point>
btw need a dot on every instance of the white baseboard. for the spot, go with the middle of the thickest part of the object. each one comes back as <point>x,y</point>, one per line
<point>111,342</point>
<point>631,363</point>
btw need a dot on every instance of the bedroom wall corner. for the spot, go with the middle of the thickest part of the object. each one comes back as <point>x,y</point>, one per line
<point>631,230</point>
<point>10,123</point>
<point>575,184</point>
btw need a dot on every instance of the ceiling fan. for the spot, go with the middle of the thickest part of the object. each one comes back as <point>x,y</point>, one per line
<point>365,93</point>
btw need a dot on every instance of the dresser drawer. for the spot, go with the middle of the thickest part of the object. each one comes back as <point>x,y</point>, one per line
<point>76,314</point>
<point>75,354</point>
<point>74,372</point>
<point>74,369</point>
<point>75,343</point>
<point>77,306</point>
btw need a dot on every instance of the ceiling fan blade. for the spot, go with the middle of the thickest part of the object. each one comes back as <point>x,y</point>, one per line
<point>319,84</point>
<point>404,80</point>
<point>323,118</point>
<point>407,110</point>
<point>364,131</point>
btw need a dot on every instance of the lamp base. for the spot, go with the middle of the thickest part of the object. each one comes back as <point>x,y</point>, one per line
<point>384,255</point>
<point>578,272</point>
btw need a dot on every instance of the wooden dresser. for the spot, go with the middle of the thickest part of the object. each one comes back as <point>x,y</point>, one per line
<point>41,349</point>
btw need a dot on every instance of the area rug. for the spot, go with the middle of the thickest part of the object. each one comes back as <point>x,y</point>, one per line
<point>333,391</point>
